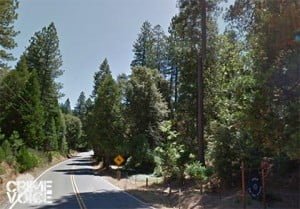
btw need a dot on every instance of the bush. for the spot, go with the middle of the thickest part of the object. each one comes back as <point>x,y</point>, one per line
<point>15,142</point>
<point>141,157</point>
<point>199,172</point>
<point>8,153</point>
<point>26,160</point>
<point>170,156</point>
<point>2,155</point>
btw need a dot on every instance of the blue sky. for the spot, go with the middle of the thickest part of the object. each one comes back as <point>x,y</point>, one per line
<point>89,31</point>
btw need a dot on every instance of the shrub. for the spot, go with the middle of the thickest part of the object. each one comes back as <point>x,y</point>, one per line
<point>2,155</point>
<point>197,171</point>
<point>170,156</point>
<point>8,153</point>
<point>15,142</point>
<point>26,160</point>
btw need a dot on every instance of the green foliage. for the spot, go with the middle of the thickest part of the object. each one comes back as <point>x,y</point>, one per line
<point>32,113</point>
<point>104,122</point>
<point>143,48</point>
<point>2,155</point>
<point>104,70</point>
<point>16,142</point>
<point>170,156</point>
<point>43,56</point>
<point>274,57</point>
<point>142,91</point>
<point>26,160</point>
<point>184,53</point>
<point>199,172</point>
<point>140,154</point>
<point>7,30</point>
<point>80,108</point>
<point>2,137</point>
<point>73,131</point>
<point>66,107</point>
<point>9,155</point>
<point>11,89</point>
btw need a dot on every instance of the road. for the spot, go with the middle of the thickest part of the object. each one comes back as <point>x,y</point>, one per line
<point>76,186</point>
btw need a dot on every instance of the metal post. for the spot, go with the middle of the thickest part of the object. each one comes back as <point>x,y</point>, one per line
<point>263,186</point>
<point>243,185</point>
<point>118,175</point>
<point>179,200</point>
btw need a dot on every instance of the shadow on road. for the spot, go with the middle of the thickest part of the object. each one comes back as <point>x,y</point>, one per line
<point>97,200</point>
<point>81,164</point>
<point>78,171</point>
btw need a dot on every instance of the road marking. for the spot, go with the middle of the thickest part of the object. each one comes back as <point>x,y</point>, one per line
<point>77,193</point>
<point>37,178</point>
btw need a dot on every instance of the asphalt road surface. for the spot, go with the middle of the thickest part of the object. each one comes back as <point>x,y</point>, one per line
<point>76,186</point>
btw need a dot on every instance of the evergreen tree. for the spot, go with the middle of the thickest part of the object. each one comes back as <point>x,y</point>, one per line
<point>43,55</point>
<point>80,108</point>
<point>7,31</point>
<point>66,107</point>
<point>11,89</point>
<point>73,131</point>
<point>32,114</point>
<point>269,30</point>
<point>186,33</point>
<point>143,48</point>
<point>107,131</point>
<point>99,76</point>
<point>160,50</point>
<point>143,91</point>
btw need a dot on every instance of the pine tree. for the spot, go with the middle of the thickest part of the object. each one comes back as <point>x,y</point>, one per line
<point>43,55</point>
<point>66,107</point>
<point>269,30</point>
<point>143,91</point>
<point>143,48</point>
<point>160,50</point>
<point>73,131</point>
<point>32,114</point>
<point>104,69</point>
<point>186,33</point>
<point>11,88</point>
<point>107,119</point>
<point>7,31</point>
<point>80,108</point>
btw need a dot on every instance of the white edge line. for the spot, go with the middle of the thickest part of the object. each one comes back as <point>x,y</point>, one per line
<point>37,178</point>
<point>130,195</point>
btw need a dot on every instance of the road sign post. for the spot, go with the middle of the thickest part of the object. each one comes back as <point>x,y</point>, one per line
<point>119,160</point>
<point>243,185</point>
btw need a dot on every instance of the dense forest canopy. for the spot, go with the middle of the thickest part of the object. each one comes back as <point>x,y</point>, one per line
<point>251,93</point>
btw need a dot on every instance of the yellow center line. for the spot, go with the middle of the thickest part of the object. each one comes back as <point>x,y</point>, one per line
<point>77,193</point>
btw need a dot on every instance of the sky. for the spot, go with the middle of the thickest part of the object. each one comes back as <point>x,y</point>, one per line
<point>89,31</point>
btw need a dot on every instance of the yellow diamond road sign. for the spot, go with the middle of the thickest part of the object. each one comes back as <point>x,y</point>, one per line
<point>119,160</point>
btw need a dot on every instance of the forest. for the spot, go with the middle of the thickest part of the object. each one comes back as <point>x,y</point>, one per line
<point>250,94</point>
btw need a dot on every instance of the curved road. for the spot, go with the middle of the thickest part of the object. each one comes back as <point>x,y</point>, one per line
<point>76,186</point>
